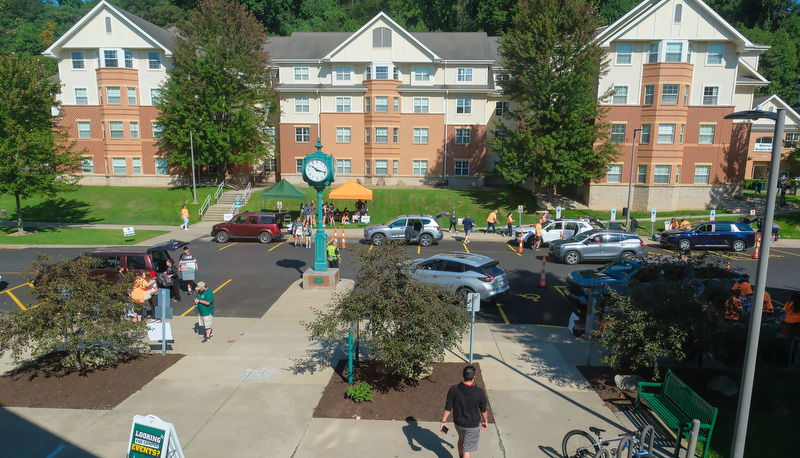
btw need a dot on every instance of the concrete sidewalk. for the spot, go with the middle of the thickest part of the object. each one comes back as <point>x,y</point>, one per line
<point>252,391</point>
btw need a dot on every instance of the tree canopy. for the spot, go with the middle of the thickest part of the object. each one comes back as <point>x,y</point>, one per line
<point>550,67</point>
<point>219,89</point>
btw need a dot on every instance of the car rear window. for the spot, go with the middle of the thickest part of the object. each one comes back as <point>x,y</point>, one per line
<point>136,263</point>
<point>492,269</point>
<point>267,219</point>
<point>744,227</point>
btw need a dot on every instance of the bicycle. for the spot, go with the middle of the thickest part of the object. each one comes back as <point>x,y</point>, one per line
<point>580,444</point>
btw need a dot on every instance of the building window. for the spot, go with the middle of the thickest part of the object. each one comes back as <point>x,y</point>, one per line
<point>87,165</point>
<point>677,174</point>
<point>624,53</point>
<point>461,168</point>
<point>381,135</point>
<point>666,133</point>
<point>421,104</point>
<point>464,106</point>
<point>463,136</point>
<point>131,95</point>
<point>714,55</point>
<point>381,72</point>
<point>396,135</point>
<point>366,167</point>
<point>710,95</point>
<point>341,73</point>
<point>500,135</point>
<point>382,37</point>
<point>678,11</point>
<point>301,74</point>
<point>641,174</point>
<point>154,60</point>
<point>617,134</point>
<point>77,62</point>
<point>620,95</point>
<point>118,166</point>
<point>368,73</point>
<point>113,96</point>
<point>110,58</point>
<point>420,168</point>
<point>270,164</point>
<point>422,74</point>
<point>706,134</point>
<point>81,96</point>
<point>366,105</point>
<point>136,164</point>
<point>298,165</point>
<point>395,167</point>
<point>84,129</point>
<point>683,128</point>
<point>396,105</point>
<point>674,52</point>
<point>649,91</point>
<point>158,131</point>
<point>464,75</point>
<point>792,137</point>
<point>501,108</point>
<point>701,174</point>
<point>366,134</point>
<point>343,104</point>
<point>128,59</point>
<point>342,165</point>
<point>342,135</point>
<point>302,134</point>
<point>686,95</point>
<point>645,134</point>
<point>661,174</point>
<point>381,104</point>
<point>381,167</point>
<point>162,168</point>
<point>614,173</point>
<point>669,94</point>
<point>301,105</point>
<point>652,54</point>
<point>134,130</point>
<point>108,24</point>
<point>116,130</point>
<point>420,135</point>
<point>155,95</point>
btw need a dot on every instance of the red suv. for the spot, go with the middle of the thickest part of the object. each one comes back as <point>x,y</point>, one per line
<point>250,225</point>
<point>134,259</point>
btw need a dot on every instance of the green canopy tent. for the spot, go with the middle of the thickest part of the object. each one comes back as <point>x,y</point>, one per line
<point>283,190</point>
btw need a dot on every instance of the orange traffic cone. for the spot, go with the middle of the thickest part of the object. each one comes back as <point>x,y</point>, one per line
<point>542,281</point>
<point>728,265</point>
<point>335,240</point>
<point>758,245</point>
<point>344,245</point>
<point>520,242</point>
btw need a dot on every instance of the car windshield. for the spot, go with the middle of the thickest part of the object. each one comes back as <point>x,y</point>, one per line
<point>619,269</point>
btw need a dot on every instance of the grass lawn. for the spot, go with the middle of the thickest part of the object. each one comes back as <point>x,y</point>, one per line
<point>72,236</point>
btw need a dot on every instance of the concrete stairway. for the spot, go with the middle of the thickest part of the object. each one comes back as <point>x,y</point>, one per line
<point>216,212</point>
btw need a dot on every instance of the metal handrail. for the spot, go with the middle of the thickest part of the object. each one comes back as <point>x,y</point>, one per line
<point>218,192</point>
<point>246,196</point>
<point>241,197</point>
<point>204,207</point>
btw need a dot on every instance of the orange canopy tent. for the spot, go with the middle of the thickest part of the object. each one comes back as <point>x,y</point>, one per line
<point>351,191</point>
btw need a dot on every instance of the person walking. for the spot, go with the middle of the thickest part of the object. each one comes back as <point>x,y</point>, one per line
<point>510,223</point>
<point>453,222</point>
<point>759,186</point>
<point>205,309</point>
<point>782,202</point>
<point>491,221</point>
<point>174,283</point>
<point>334,256</point>
<point>185,216</point>
<point>468,226</point>
<point>538,242</point>
<point>467,402</point>
<point>186,256</point>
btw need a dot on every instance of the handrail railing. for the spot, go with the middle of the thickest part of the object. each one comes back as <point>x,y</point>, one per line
<point>218,192</point>
<point>246,196</point>
<point>204,207</point>
<point>242,197</point>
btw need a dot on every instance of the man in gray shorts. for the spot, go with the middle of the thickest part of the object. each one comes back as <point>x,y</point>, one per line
<point>468,404</point>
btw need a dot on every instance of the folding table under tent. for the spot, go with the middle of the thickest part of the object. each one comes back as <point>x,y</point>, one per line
<point>282,190</point>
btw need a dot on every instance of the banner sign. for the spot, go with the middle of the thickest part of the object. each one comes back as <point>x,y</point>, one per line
<point>151,436</point>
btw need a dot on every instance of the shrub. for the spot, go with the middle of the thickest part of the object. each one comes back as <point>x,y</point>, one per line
<point>359,392</point>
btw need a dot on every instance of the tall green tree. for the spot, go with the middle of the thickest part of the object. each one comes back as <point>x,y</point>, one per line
<point>36,158</point>
<point>554,131</point>
<point>219,88</point>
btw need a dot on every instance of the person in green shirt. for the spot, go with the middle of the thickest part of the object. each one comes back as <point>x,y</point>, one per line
<point>334,257</point>
<point>205,309</point>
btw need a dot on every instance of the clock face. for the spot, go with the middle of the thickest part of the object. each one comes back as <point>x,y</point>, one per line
<point>316,170</point>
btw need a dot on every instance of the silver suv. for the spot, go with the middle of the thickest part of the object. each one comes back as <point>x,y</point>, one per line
<point>461,273</point>
<point>422,229</point>
<point>597,245</point>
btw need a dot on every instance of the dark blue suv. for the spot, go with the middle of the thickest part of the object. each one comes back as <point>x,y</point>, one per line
<point>727,235</point>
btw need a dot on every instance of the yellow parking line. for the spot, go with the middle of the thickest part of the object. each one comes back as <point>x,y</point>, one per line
<point>500,307</point>
<point>215,291</point>
<point>784,252</point>
<point>552,326</point>
<point>418,248</point>
<point>14,298</point>
<point>187,311</point>
<point>465,247</point>
<point>276,246</point>
<point>370,248</point>
<point>228,246</point>
<point>560,290</point>
<point>18,286</point>
<point>513,250</point>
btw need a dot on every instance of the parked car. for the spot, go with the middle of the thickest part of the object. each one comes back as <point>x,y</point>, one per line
<point>133,259</point>
<point>597,245</point>
<point>260,226</point>
<point>623,275</point>
<point>554,230</point>
<point>728,235</point>
<point>461,273</point>
<point>422,229</point>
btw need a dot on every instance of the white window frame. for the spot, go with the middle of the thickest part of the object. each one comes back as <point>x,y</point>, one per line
<point>302,134</point>
<point>113,55</point>
<point>342,74</point>
<point>707,137</point>
<point>131,93</point>
<point>710,95</point>
<point>381,166</point>
<point>614,173</point>
<point>667,97</point>
<point>641,173</point>
<point>298,165</point>
<point>379,72</point>
<point>666,131</point>
<point>653,52</point>
<point>81,99</point>
<point>464,75</point>
<point>119,166</point>
<point>463,136</point>
<point>367,167</point>
<point>624,54</point>
<point>128,58</point>
<point>658,178</point>
<point>423,74</point>
<point>645,137</point>
<point>87,164</point>
<point>620,95</point>
<point>113,99</point>
<point>134,130</point>
<point>116,130</point>
<point>381,135</point>
<point>420,135</point>
<point>395,135</point>
<point>649,94</point>
<point>84,129</point>
<point>136,165</point>
<point>463,106</point>
<point>78,60</point>
<point>155,95</point>
<point>395,166</point>
<point>502,107</point>
<point>158,131</point>
<point>702,174</point>
<point>343,135</point>
<point>367,134</point>
<point>461,168</point>
<point>153,60</point>
<point>162,166</point>
<point>617,133</point>
<point>302,105</point>
<point>302,74</point>
<point>419,167</point>
<point>714,54</point>
<point>669,54</point>
<point>421,105</point>
<point>343,166</point>
<point>381,104</point>
<point>343,104</point>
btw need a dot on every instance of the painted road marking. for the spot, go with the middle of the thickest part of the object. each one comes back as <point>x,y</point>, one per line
<point>14,298</point>
<point>276,246</point>
<point>500,308</point>
<point>513,250</point>
<point>531,297</point>
<point>781,251</point>
<point>465,247</point>
<point>370,248</point>
<point>228,246</point>
<point>560,290</point>
<point>214,291</point>
<point>418,248</point>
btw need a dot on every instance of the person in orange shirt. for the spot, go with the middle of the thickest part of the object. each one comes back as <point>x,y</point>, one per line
<point>538,242</point>
<point>733,308</point>
<point>685,224</point>
<point>767,306</point>
<point>790,324</point>
<point>490,222</point>
<point>510,222</point>
<point>185,216</point>
<point>673,224</point>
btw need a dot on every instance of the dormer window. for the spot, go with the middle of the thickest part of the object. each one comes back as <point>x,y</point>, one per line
<point>382,37</point>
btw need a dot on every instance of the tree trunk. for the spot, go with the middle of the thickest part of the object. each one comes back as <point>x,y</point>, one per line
<point>19,213</point>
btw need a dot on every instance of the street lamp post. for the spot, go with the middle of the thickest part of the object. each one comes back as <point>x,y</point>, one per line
<point>630,182</point>
<point>194,185</point>
<point>751,351</point>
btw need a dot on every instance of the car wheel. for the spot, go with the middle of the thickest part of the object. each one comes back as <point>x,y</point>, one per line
<point>378,239</point>
<point>265,237</point>
<point>425,240</point>
<point>738,245</point>
<point>222,237</point>
<point>627,255</point>
<point>685,245</point>
<point>572,258</point>
<point>462,293</point>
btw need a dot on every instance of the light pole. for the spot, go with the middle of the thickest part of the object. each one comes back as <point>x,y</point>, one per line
<point>751,352</point>
<point>194,185</point>
<point>630,182</point>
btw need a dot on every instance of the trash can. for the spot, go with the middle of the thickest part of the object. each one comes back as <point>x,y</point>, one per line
<point>188,269</point>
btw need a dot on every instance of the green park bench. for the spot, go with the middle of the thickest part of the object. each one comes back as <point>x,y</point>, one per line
<point>675,404</point>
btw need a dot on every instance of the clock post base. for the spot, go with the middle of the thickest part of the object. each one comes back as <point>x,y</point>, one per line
<point>321,280</point>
